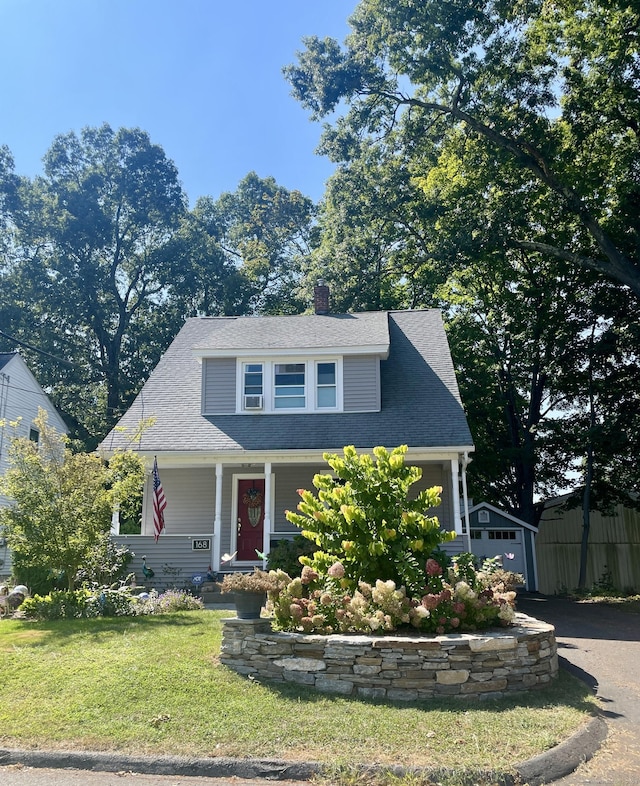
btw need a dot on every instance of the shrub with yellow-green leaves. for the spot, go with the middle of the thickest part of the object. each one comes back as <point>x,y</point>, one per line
<point>364,517</point>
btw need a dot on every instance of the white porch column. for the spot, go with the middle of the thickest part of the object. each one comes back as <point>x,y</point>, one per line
<point>217,521</point>
<point>455,489</point>
<point>465,499</point>
<point>266,533</point>
<point>115,520</point>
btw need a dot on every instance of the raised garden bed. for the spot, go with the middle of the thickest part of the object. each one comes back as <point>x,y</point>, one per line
<point>398,666</point>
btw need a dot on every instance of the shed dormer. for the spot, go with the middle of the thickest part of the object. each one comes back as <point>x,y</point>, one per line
<point>299,364</point>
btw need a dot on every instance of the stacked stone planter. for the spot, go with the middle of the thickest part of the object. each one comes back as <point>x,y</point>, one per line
<point>400,667</point>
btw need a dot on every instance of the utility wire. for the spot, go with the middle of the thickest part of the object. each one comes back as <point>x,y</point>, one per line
<point>35,349</point>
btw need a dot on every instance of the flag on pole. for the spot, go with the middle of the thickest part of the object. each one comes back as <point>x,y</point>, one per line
<point>159,502</point>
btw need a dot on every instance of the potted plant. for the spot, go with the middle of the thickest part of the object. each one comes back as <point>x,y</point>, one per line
<point>249,591</point>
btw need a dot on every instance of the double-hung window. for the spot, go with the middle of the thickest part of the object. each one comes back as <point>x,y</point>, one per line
<point>295,385</point>
<point>289,390</point>
<point>253,385</point>
<point>326,385</point>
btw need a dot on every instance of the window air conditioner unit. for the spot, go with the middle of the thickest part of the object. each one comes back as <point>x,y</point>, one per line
<point>253,402</point>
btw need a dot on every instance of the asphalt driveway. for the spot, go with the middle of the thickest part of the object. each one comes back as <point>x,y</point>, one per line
<point>601,644</point>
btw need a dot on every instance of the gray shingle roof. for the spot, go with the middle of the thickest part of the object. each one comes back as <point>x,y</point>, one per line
<point>307,331</point>
<point>420,399</point>
<point>5,357</point>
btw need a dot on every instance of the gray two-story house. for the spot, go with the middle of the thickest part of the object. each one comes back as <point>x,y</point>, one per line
<point>242,409</point>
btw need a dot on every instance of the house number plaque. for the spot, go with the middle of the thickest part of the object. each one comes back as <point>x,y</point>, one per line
<point>202,544</point>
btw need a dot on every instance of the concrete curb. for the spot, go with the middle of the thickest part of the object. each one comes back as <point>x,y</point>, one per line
<point>564,758</point>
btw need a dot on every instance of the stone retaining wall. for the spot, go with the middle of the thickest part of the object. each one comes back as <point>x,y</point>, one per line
<point>397,666</point>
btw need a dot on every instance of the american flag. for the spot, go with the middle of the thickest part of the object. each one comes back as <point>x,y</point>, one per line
<point>159,502</point>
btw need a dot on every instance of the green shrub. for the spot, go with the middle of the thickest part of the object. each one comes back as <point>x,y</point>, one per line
<point>363,517</point>
<point>59,604</point>
<point>285,555</point>
<point>106,602</point>
<point>105,564</point>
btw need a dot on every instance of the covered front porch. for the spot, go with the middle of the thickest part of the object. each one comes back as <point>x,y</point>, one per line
<point>225,515</point>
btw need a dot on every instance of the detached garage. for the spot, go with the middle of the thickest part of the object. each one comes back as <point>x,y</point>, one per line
<point>497,533</point>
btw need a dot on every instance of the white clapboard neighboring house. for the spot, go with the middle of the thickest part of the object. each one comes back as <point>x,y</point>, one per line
<point>243,408</point>
<point>20,398</point>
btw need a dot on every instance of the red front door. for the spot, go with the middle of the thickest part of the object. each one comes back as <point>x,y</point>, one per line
<point>250,519</point>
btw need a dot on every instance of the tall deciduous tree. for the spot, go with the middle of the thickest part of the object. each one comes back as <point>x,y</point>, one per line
<point>552,87</point>
<point>113,203</point>
<point>91,257</point>
<point>268,232</point>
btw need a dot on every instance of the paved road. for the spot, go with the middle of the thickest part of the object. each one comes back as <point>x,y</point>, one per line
<point>13,775</point>
<point>601,644</point>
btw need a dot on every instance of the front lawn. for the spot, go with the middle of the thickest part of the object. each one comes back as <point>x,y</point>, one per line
<point>154,685</point>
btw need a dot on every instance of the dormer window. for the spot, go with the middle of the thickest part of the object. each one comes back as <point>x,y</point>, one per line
<point>326,385</point>
<point>289,386</point>
<point>283,386</point>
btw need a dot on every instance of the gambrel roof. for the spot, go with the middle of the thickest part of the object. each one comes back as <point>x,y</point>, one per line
<point>420,402</point>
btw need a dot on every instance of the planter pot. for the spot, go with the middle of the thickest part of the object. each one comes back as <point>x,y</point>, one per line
<point>249,604</point>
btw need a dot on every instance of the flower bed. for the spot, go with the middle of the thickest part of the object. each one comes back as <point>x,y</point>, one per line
<point>397,666</point>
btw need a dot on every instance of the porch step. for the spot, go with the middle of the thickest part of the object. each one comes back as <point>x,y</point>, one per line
<point>211,596</point>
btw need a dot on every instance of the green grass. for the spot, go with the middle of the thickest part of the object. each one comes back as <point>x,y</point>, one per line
<point>154,685</point>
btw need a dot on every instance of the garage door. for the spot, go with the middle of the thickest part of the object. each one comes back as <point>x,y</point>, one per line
<point>487,543</point>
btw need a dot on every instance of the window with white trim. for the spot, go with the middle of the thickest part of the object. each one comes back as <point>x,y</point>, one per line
<point>289,391</point>
<point>326,384</point>
<point>290,385</point>
<point>253,386</point>
<point>253,379</point>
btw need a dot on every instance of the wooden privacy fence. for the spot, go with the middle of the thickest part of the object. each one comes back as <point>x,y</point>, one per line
<point>614,549</point>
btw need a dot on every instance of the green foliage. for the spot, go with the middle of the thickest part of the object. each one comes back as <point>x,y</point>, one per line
<point>285,555</point>
<point>324,603</point>
<point>61,509</point>
<point>88,603</point>
<point>548,89</point>
<point>363,517</point>
<point>105,564</point>
<point>127,474</point>
<point>58,604</point>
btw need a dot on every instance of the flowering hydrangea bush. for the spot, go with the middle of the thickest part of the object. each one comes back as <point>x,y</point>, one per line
<point>378,566</point>
<point>366,516</point>
<point>324,604</point>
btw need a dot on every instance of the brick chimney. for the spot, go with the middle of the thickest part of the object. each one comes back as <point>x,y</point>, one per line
<point>321,298</point>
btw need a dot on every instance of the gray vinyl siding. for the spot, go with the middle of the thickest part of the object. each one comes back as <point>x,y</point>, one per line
<point>219,386</point>
<point>172,560</point>
<point>361,383</point>
<point>190,495</point>
<point>288,480</point>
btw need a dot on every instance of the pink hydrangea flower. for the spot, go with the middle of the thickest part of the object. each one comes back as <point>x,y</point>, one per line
<point>296,611</point>
<point>336,571</point>
<point>431,601</point>
<point>433,568</point>
<point>308,575</point>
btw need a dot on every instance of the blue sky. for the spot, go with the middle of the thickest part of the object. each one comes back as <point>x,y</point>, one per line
<point>202,77</point>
